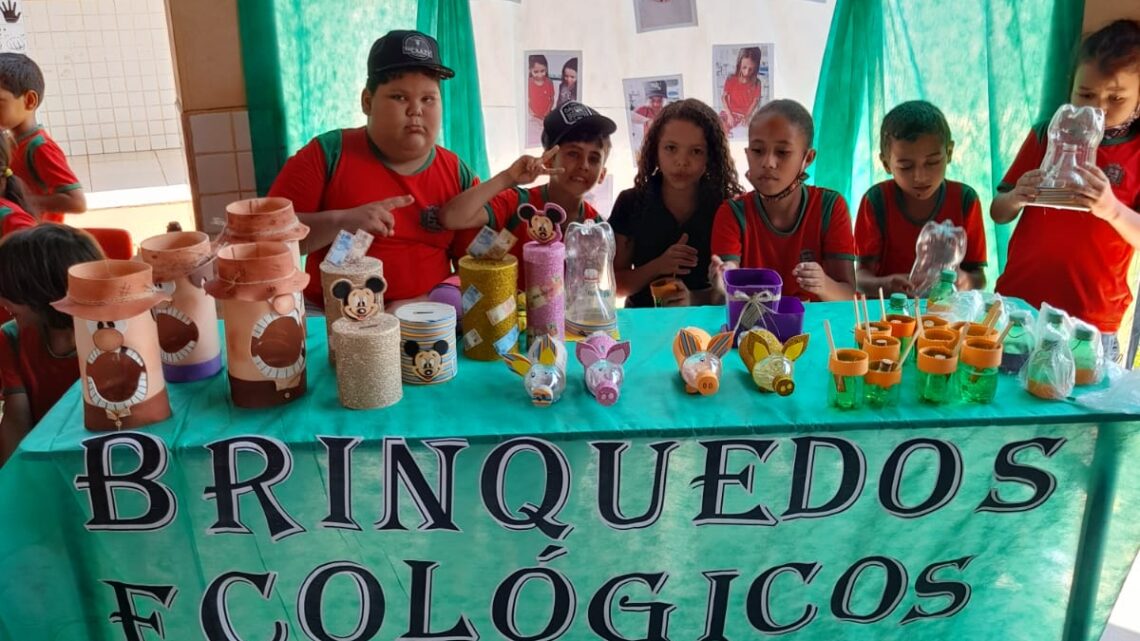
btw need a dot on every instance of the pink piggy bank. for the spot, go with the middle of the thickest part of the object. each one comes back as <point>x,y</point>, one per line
<point>603,358</point>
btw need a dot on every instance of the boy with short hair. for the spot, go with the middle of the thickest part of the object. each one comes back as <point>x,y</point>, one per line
<point>53,189</point>
<point>577,143</point>
<point>388,178</point>
<point>915,148</point>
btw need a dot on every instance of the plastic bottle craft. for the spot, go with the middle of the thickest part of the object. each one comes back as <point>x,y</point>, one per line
<point>590,303</point>
<point>1088,354</point>
<point>116,341</point>
<point>544,266</point>
<point>1074,134</point>
<point>772,364</point>
<point>939,246</point>
<point>543,370</point>
<point>1019,342</point>
<point>603,359</point>
<point>699,357</point>
<point>1050,372</point>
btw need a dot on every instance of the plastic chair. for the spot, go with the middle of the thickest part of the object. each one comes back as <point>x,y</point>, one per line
<point>116,243</point>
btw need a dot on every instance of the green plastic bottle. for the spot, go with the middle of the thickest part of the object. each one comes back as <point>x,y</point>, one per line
<point>1019,342</point>
<point>938,300</point>
<point>897,305</point>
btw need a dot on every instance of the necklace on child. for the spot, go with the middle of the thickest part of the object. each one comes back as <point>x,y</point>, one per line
<point>791,188</point>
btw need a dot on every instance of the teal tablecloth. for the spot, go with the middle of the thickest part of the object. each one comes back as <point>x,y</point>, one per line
<point>1009,521</point>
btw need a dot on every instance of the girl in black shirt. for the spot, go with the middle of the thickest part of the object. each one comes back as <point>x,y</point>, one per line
<point>663,225</point>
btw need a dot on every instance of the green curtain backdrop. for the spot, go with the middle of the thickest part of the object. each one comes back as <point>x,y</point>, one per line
<point>994,67</point>
<point>303,74</point>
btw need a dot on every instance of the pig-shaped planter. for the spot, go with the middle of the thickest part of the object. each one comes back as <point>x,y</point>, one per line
<point>770,363</point>
<point>699,357</point>
<point>602,357</point>
<point>543,370</point>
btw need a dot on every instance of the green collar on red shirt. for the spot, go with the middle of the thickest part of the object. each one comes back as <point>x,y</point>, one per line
<point>380,156</point>
<point>759,202</point>
<point>29,133</point>
<point>900,201</point>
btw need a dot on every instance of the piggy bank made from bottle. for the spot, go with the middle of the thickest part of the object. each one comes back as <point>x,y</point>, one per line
<point>1074,134</point>
<point>603,359</point>
<point>771,363</point>
<point>699,358</point>
<point>590,302</point>
<point>940,246</point>
<point>543,370</point>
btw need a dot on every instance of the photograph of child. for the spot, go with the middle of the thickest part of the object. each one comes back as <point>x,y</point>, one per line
<point>652,15</point>
<point>645,98</point>
<point>551,80</point>
<point>742,82</point>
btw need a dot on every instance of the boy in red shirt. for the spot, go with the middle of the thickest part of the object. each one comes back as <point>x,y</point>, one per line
<point>1078,260</point>
<point>577,142</point>
<point>915,148</point>
<point>802,232</point>
<point>388,178</point>
<point>53,189</point>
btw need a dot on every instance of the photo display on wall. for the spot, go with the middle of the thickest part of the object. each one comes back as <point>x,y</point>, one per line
<point>644,100</point>
<point>550,79</point>
<point>742,82</point>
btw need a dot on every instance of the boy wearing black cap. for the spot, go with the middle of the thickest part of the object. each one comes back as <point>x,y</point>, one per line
<point>655,95</point>
<point>388,178</point>
<point>577,142</point>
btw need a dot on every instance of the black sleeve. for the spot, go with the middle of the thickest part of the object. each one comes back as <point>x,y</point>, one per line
<point>623,216</point>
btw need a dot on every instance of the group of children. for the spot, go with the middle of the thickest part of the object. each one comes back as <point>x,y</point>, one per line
<point>686,216</point>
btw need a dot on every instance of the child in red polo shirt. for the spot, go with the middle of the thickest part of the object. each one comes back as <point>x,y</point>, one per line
<point>1077,260</point>
<point>741,90</point>
<point>37,349</point>
<point>388,178</point>
<point>802,232</point>
<point>52,188</point>
<point>915,148</point>
<point>577,143</point>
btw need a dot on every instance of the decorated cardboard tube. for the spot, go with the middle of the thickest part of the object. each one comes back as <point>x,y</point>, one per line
<point>354,291</point>
<point>490,309</point>
<point>264,219</point>
<point>368,372</point>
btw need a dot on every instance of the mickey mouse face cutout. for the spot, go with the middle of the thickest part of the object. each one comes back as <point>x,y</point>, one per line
<point>545,226</point>
<point>427,363</point>
<point>359,303</point>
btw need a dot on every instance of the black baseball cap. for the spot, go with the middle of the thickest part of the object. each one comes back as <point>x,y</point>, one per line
<point>573,116</point>
<point>656,89</point>
<point>397,50</point>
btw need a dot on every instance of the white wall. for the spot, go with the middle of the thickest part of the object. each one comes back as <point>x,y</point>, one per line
<point>605,32</point>
<point>108,74</point>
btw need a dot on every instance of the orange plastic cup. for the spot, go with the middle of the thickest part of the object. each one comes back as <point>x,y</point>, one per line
<point>878,328</point>
<point>883,373</point>
<point>937,338</point>
<point>902,326</point>
<point>883,348</point>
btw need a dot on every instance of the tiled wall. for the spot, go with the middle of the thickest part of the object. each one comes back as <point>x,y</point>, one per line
<point>108,74</point>
<point>221,163</point>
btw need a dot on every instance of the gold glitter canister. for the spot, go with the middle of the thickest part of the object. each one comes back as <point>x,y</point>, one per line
<point>490,316</point>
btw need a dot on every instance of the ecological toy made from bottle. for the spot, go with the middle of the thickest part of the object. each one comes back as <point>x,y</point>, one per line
<point>699,359</point>
<point>771,363</point>
<point>543,370</point>
<point>590,301</point>
<point>603,359</point>
<point>939,246</point>
<point>1074,134</point>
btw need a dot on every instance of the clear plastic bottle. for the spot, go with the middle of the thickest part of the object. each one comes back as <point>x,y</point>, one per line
<point>1050,372</point>
<point>701,372</point>
<point>1019,342</point>
<point>1087,355</point>
<point>604,380</point>
<point>940,296</point>
<point>775,374</point>
<point>590,302</point>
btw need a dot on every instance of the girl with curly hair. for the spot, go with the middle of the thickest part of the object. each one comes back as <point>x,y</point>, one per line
<point>663,225</point>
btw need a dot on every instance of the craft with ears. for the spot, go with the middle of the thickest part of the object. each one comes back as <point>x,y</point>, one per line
<point>359,302</point>
<point>603,359</point>
<point>116,341</point>
<point>771,363</point>
<point>188,324</point>
<point>543,370</point>
<point>260,289</point>
<point>699,358</point>
<point>544,227</point>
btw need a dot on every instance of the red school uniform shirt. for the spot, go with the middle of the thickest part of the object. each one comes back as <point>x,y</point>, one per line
<point>502,213</point>
<point>13,217</point>
<point>885,235</point>
<point>743,233</point>
<point>27,367</point>
<point>742,96</point>
<point>40,163</point>
<point>1072,259</point>
<point>342,169</point>
<point>540,98</point>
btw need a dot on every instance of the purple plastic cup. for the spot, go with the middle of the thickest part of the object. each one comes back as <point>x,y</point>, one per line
<point>749,282</point>
<point>788,319</point>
